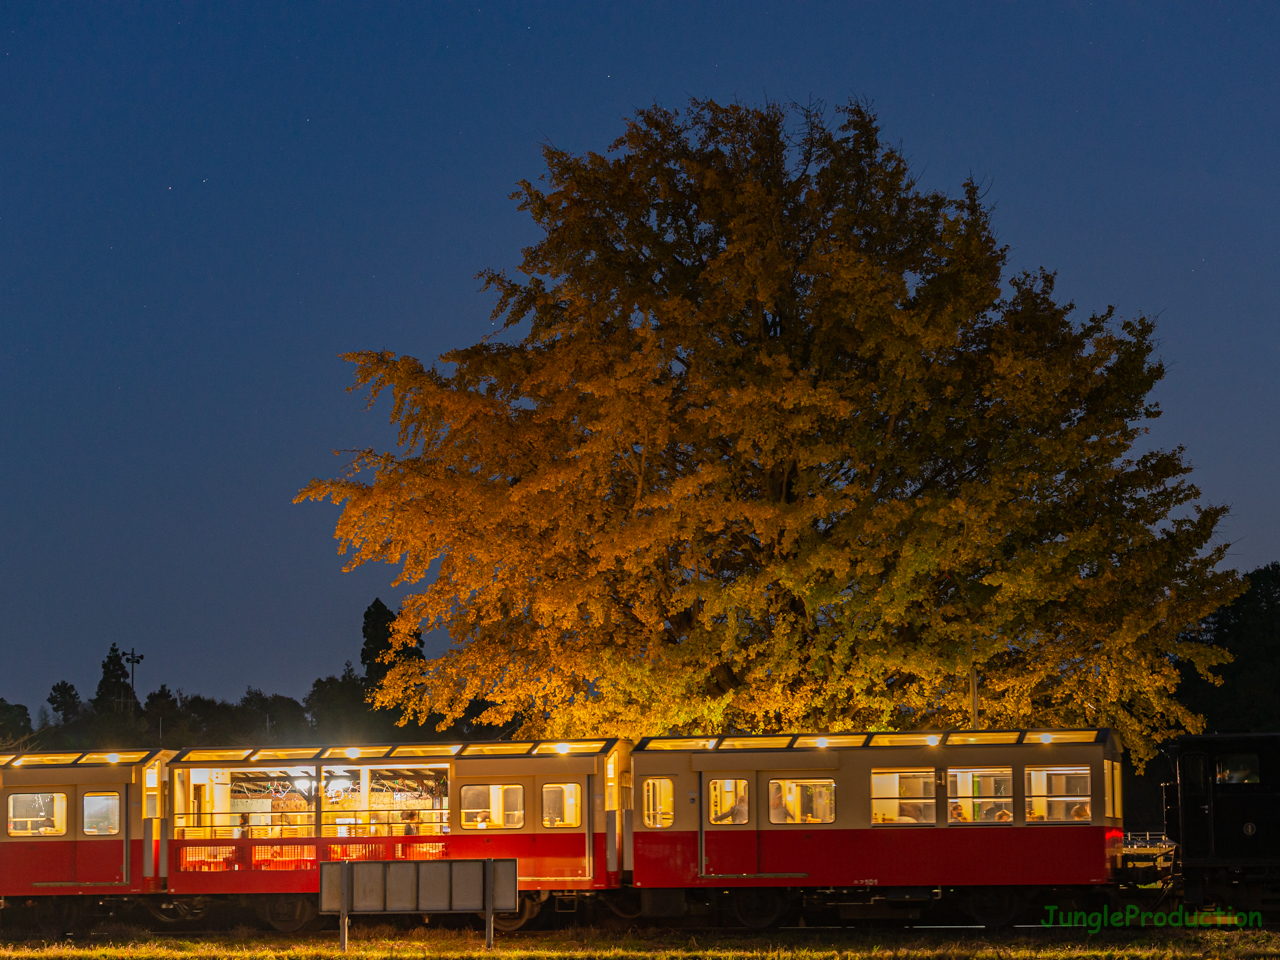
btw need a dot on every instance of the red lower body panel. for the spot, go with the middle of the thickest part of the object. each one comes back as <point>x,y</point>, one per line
<point>546,861</point>
<point>952,856</point>
<point>48,867</point>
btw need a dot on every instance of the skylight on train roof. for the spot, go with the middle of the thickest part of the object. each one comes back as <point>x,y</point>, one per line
<point>822,741</point>
<point>682,743</point>
<point>569,747</point>
<point>207,755</point>
<point>976,737</point>
<point>354,753</point>
<point>428,750</point>
<point>1060,736</point>
<point>755,743</point>
<point>122,756</point>
<point>284,753</point>
<point>906,739</point>
<point>496,749</point>
<point>45,759</point>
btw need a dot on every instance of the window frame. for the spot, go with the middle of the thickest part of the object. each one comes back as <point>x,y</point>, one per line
<point>489,824</point>
<point>1065,769</point>
<point>577,804</point>
<point>1219,762</point>
<point>84,813</point>
<point>801,781</point>
<point>974,799</point>
<point>644,803</point>
<point>926,801</point>
<point>9,818</point>
<point>740,783</point>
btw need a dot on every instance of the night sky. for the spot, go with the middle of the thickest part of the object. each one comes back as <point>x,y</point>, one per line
<point>202,206</point>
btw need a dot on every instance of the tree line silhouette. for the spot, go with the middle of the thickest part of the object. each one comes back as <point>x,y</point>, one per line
<point>337,708</point>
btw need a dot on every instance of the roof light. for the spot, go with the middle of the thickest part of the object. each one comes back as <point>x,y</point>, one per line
<point>562,748</point>
<point>931,740</point>
<point>822,741</point>
<point>1046,738</point>
<point>113,758</point>
<point>352,752</point>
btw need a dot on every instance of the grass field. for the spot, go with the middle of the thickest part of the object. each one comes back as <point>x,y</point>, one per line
<point>650,944</point>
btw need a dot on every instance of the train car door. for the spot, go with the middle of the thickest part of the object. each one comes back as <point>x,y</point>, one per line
<point>102,833</point>
<point>561,822</point>
<point>729,814</point>
<point>1243,798</point>
<point>1197,816</point>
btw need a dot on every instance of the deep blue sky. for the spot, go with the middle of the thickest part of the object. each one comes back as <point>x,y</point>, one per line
<point>201,206</point>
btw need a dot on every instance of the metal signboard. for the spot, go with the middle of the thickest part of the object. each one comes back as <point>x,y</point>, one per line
<point>424,886</point>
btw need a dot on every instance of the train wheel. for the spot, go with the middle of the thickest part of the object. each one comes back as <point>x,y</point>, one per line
<point>756,907</point>
<point>530,908</point>
<point>288,914</point>
<point>994,907</point>
<point>59,917</point>
<point>177,911</point>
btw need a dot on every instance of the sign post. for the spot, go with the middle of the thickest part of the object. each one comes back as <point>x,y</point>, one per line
<point>488,904</point>
<point>344,912</point>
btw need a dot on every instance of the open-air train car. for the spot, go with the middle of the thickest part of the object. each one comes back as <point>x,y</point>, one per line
<point>760,823</point>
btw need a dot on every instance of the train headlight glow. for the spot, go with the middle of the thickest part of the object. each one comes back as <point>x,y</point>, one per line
<point>113,758</point>
<point>822,741</point>
<point>562,748</point>
<point>932,741</point>
<point>1046,738</point>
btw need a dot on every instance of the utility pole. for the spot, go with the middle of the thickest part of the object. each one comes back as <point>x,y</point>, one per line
<point>973,694</point>
<point>132,658</point>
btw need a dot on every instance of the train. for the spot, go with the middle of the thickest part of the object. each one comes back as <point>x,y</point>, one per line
<point>753,830</point>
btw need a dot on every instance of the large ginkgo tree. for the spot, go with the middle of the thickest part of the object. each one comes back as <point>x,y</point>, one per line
<point>770,439</point>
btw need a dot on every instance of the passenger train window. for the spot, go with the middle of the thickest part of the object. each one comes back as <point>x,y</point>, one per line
<point>561,805</point>
<point>980,795</point>
<point>1058,795</point>
<point>492,806</point>
<point>802,801</point>
<point>728,801</point>
<point>37,814</point>
<point>903,796</point>
<point>659,802</point>
<point>1238,768</point>
<point>101,814</point>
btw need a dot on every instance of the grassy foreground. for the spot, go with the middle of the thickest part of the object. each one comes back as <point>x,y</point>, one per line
<point>649,944</point>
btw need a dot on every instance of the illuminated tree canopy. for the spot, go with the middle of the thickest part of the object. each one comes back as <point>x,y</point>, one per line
<point>782,445</point>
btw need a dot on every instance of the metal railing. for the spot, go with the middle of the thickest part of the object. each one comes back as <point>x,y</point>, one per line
<point>337,823</point>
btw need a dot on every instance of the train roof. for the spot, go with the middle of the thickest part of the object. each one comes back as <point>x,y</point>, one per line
<point>403,752</point>
<point>396,752</point>
<point>915,738</point>
<point>79,758</point>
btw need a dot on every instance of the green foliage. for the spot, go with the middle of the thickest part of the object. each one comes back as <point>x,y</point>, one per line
<point>378,654</point>
<point>782,446</point>
<point>65,701</point>
<point>114,693</point>
<point>15,722</point>
<point>1249,629</point>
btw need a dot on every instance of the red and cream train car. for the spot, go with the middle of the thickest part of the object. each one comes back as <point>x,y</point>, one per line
<point>758,824</point>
